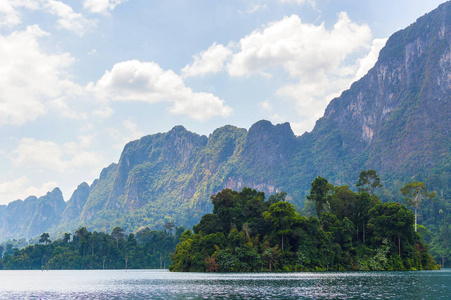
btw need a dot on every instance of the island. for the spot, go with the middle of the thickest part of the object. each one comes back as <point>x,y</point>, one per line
<point>341,230</point>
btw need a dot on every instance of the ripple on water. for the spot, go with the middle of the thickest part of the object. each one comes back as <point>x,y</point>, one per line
<point>153,284</point>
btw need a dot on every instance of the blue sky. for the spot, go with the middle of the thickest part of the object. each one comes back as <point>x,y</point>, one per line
<point>79,79</point>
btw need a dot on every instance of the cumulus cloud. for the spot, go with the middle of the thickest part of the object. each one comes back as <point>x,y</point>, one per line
<point>209,61</point>
<point>20,189</point>
<point>48,155</point>
<point>148,82</point>
<point>67,18</point>
<point>29,77</point>
<point>314,57</point>
<point>302,49</point>
<point>101,6</point>
<point>10,14</point>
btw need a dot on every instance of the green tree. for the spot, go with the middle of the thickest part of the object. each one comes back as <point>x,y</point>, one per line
<point>66,237</point>
<point>272,257</point>
<point>360,213</point>
<point>320,193</point>
<point>45,238</point>
<point>274,198</point>
<point>168,226</point>
<point>392,220</point>
<point>117,234</point>
<point>415,193</point>
<point>210,223</point>
<point>282,215</point>
<point>368,181</point>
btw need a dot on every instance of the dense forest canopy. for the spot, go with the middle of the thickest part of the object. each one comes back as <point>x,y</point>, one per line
<point>147,249</point>
<point>346,230</point>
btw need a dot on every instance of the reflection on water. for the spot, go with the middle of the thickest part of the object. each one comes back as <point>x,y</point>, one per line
<point>156,284</point>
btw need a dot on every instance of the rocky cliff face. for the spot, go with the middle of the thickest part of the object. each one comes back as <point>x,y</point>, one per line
<point>396,120</point>
<point>397,117</point>
<point>31,217</point>
<point>75,205</point>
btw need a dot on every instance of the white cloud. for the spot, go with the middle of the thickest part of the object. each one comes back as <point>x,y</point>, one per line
<point>127,132</point>
<point>313,56</point>
<point>30,78</point>
<point>47,155</point>
<point>133,132</point>
<point>20,189</point>
<point>62,108</point>
<point>209,61</point>
<point>103,112</point>
<point>265,105</point>
<point>254,8</point>
<point>68,19</point>
<point>101,6</point>
<point>302,49</point>
<point>299,2</point>
<point>10,14</point>
<point>366,63</point>
<point>147,82</point>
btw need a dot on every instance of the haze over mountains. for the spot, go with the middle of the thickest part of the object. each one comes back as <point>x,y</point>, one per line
<point>396,120</point>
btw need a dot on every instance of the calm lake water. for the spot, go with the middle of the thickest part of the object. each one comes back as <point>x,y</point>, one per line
<point>158,284</point>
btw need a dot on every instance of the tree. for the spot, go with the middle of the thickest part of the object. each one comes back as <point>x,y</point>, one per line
<point>391,220</point>
<point>168,226</point>
<point>364,202</point>
<point>117,234</point>
<point>82,235</point>
<point>415,193</point>
<point>320,193</point>
<point>209,223</point>
<point>368,181</point>
<point>66,237</point>
<point>277,197</point>
<point>283,216</point>
<point>45,238</point>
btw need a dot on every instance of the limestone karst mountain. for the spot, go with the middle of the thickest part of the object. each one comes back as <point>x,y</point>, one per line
<point>396,120</point>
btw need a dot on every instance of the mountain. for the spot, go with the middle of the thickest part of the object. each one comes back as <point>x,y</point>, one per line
<point>31,217</point>
<point>396,120</point>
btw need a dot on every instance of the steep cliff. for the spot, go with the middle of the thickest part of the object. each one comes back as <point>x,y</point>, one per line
<point>396,119</point>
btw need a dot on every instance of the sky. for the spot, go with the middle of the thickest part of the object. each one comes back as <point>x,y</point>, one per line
<point>81,78</point>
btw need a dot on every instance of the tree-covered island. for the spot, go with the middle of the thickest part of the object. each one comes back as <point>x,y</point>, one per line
<point>350,231</point>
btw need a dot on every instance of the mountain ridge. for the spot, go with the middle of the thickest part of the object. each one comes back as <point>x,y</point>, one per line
<point>396,120</point>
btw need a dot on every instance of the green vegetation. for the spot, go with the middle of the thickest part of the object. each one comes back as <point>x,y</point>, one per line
<point>95,250</point>
<point>352,231</point>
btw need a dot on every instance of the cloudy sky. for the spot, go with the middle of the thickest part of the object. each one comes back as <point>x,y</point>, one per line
<point>79,79</point>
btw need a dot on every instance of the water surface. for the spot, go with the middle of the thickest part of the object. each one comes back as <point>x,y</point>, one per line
<point>161,284</point>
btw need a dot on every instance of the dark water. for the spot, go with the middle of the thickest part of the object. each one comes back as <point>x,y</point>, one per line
<point>155,284</point>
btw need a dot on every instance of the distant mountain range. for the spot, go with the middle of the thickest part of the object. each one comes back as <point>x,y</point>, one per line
<point>396,120</point>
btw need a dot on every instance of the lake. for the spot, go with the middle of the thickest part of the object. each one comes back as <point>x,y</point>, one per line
<point>162,284</point>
